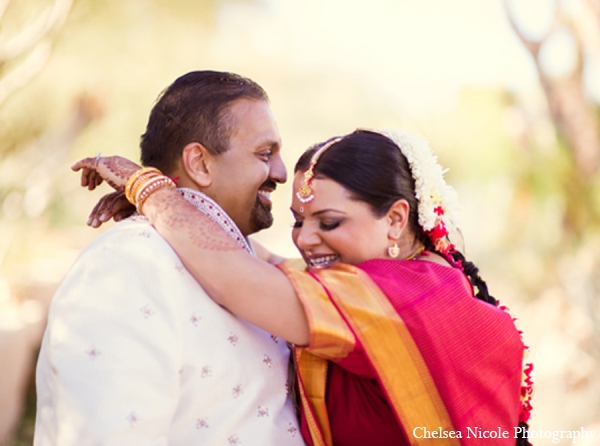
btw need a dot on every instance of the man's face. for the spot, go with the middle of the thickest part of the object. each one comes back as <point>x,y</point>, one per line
<point>247,173</point>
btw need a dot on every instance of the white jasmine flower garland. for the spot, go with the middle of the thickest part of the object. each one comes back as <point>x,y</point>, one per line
<point>438,202</point>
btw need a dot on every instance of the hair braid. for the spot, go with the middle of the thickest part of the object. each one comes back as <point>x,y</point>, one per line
<point>472,273</point>
<point>521,439</point>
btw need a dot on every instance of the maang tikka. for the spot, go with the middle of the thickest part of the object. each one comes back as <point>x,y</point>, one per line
<point>305,192</point>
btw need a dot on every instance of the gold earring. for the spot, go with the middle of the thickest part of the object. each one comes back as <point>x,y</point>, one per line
<point>394,251</point>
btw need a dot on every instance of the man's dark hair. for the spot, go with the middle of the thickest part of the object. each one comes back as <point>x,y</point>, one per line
<point>194,108</point>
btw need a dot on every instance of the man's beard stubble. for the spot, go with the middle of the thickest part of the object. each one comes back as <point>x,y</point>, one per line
<point>260,217</point>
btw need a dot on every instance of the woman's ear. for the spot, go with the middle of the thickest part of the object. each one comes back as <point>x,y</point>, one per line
<point>397,216</point>
<point>196,160</point>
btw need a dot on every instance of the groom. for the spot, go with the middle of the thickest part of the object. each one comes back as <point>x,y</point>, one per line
<point>135,352</point>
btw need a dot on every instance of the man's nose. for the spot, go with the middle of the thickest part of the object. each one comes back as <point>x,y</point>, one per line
<point>277,171</point>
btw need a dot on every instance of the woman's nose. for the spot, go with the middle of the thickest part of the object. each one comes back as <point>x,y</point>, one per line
<point>307,237</point>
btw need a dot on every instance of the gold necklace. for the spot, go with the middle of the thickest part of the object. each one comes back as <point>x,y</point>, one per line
<point>415,254</point>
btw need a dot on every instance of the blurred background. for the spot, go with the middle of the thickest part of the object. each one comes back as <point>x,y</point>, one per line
<point>507,93</point>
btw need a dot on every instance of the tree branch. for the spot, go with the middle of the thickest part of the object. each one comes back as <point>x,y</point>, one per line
<point>570,109</point>
<point>48,20</point>
<point>3,5</point>
<point>531,45</point>
<point>25,71</point>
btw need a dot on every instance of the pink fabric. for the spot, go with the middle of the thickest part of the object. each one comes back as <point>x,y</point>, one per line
<point>472,349</point>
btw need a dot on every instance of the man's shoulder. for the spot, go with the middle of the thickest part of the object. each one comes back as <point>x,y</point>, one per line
<point>128,258</point>
<point>132,234</point>
<point>124,229</point>
<point>129,247</point>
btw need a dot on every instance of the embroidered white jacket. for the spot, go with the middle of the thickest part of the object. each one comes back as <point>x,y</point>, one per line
<point>136,353</point>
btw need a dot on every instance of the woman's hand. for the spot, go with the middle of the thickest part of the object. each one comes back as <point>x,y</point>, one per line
<point>115,170</point>
<point>114,205</point>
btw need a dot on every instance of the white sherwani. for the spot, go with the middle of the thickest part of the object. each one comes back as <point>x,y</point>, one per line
<point>136,353</point>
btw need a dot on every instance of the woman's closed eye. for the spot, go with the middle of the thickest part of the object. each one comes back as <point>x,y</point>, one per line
<point>322,225</point>
<point>329,226</point>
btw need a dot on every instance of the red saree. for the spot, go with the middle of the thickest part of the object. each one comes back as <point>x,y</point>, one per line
<point>448,365</point>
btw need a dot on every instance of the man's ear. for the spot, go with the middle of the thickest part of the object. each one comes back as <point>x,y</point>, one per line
<point>196,160</point>
<point>397,216</point>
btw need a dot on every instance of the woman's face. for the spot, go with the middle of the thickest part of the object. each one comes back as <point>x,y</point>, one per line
<point>333,227</point>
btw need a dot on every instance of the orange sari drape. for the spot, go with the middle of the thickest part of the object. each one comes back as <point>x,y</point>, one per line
<point>344,304</point>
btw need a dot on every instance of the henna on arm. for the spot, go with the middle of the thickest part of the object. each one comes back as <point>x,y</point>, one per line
<point>206,236</point>
<point>248,287</point>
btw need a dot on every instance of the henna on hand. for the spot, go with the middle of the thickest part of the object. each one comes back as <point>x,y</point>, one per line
<point>121,171</point>
<point>113,205</point>
<point>115,170</point>
<point>122,215</point>
<point>119,207</point>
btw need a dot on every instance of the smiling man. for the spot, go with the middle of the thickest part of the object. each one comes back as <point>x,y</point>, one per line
<point>135,352</point>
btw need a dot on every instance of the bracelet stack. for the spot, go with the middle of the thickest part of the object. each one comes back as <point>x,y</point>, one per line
<point>142,183</point>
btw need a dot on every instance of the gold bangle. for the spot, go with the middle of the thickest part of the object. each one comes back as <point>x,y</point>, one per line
<point>146,185</point>
<point>150,189</point>
<point>140,183</point>
<point>133,178</point>
<point>136,179</point>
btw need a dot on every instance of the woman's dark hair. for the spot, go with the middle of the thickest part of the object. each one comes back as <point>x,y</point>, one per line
<point>194,108</point>
<point>373,169</point>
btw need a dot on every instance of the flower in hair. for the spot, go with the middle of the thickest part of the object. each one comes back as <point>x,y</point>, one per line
<point>438,203</point>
